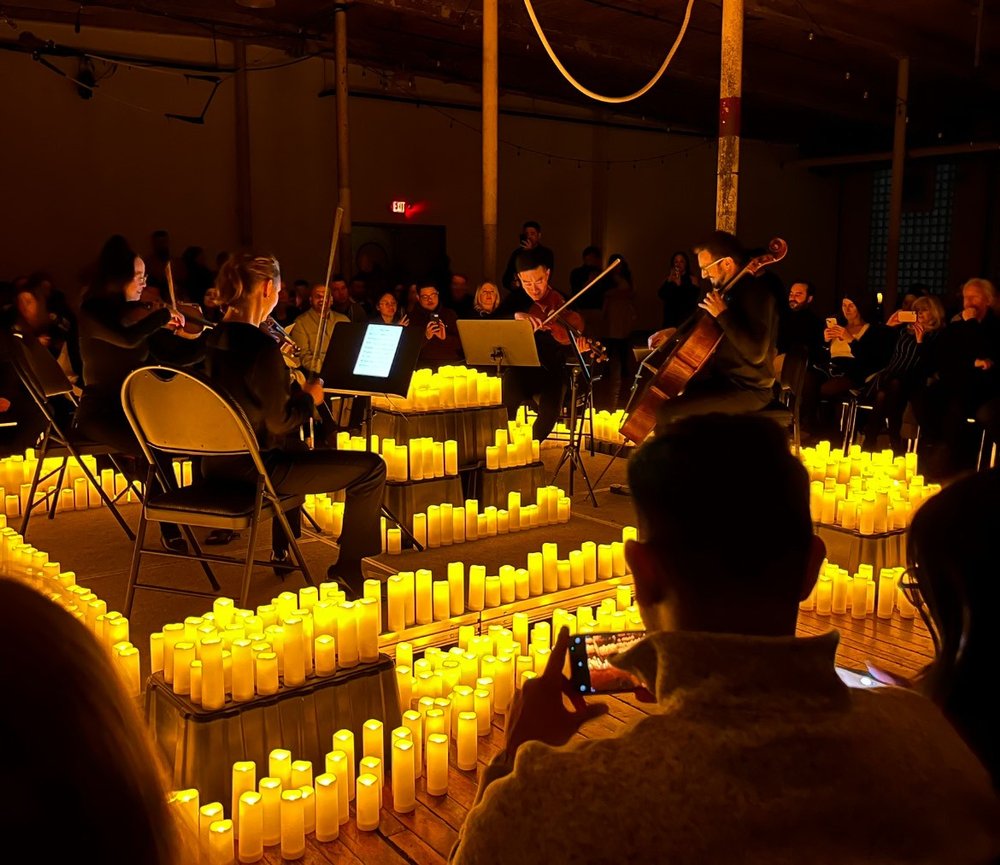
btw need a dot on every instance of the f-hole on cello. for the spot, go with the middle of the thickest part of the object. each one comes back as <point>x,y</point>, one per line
<point>686,353</point>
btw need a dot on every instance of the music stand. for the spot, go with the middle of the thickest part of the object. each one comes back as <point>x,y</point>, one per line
<point>498,342</point>
<point>368,359</point>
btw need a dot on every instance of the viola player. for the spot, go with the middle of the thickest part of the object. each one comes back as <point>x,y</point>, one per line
<point>554,343</point>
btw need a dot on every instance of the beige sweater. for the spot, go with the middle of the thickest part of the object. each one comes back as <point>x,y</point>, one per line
<point>757,754</point>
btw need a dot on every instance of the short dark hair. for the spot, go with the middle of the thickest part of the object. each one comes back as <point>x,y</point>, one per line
<point>592,250</point>
<point>337,277</point>
<point>722,244</point>
<point>531,223</point>
<point>529,259</point>
<point>810,287</point>
<point>727,502</point>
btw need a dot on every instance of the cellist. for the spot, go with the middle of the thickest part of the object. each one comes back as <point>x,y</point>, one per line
<point>554,342</point>
<point>739,375</point>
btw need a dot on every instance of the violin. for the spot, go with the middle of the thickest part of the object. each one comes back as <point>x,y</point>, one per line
<point>290,350</point>
<point>561,327</point>
<point>194,321</point>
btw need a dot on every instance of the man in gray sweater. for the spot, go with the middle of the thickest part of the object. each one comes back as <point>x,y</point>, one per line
<point>755,752</point>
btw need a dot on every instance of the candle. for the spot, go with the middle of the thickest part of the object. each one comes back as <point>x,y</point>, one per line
<point>368,614</point>
<point>403,776</point>
<point>207,815</point>
<point>458,524</point>
<point>442,600</point>
<point>456,588</point>
<point>367,803</point>
<point>433,526</point>
<point>420,529</point>
<point>347,633</point>
<point>372,739</point>
<point>213,686</point>
<point>373,766</point>
<point>343,740</point>
<point>484,714</point>
<point>220,842</point>
<point>394,541</point>
<point>279,765</point>
<point>451,457</point>
<point>424,600</point>
<point>468,741</point>
<point>337,765</point>
<point>886,593</point>
<point>396,604</point>
<point>437,764</point>
<point>308,807</point>
<point>514,510</point>
<point>536,579</point>
<point>270,791</point>
<point>293,828</point>
<point>327,807</point>
<point>250,824</point>
<point>477,587</point>
<point>414,722</point>
<point>492,592</point>
<point>824,595</point>
<point>265,673</point>
<point>325,648</point>
<point>492,457</point>
<point>447,524</point>
<point>244,780</point>
<point>471,519</point>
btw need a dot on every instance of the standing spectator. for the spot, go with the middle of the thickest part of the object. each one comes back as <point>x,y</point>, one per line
<point>583,274</point>
<point>531,238</point>
<point>679,292</point>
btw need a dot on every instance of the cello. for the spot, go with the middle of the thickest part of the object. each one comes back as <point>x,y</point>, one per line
<point>686,352</point>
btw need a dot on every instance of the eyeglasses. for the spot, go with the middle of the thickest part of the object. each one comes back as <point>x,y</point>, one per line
<point>428,295</point>
<point>708,267</point>
<point>140,277</point>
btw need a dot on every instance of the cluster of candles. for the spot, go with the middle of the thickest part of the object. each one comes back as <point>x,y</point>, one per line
<point>24,562</point>
<point>869,493</point>
<point>417,598</point>
<point>603,425</point>
<point>234,654</point>
<point>449,387</point>
<point>512,447</point>
<point>419,459</point>
<point>839,592</point>
<point>446,524</point>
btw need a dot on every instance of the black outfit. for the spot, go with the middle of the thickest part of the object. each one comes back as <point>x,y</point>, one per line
<point>679,301</point>
<point>739,375</point>
<point>548,381</point>
<point>960,390</point>
<point>464,308</point>
<point>247,364</point>
<point>438,352</point>
<point>580,277</point>
<point>510,280</point>
<point>802,327</point>
<point>111,349</point>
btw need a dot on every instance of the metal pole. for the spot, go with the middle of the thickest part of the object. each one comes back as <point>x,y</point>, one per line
<point>730,92</point>
<point>491,59</point>
<point>244,198</point>
<point>896,190</point>
<point>346,255</point>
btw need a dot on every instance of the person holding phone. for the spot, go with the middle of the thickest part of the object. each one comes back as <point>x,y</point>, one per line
<point>440,327</point>
<point>755,740</point>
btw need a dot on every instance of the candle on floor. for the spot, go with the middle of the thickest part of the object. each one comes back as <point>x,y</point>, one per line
<point>327,807</point>
<point>207,815</point>
<point>403,776</point>
<point>221,844</point>
<point>367,803</point>
<point>468,741</point>
<point>414,722</point>
<point>336,764</point>
<point>308,807</point>
<point>293,829</point>
<point>483,709</point>
<point>244,780</point>
<point>250,822</point>
<point>343,740</point>
<point>270,791</point>
<point>437,764</point>
<point>886,593</point>
<point>279,765</point>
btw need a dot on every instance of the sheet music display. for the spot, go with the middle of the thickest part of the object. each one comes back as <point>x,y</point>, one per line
<point>378,350</point>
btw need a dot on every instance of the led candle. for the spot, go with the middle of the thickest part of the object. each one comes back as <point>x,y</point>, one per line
<point>483,710</point>
<point>447,524</point>
<point>213,685</point>
<point>906,609</point>
<point>184,654</point>
<point>373,766</point>
<point>456,589</point>
<point>838,602</point>
<point>866,518</point>
<point>266,673</point>
<point>433,526</point>
<point>279,765</point>
<point>477,587</point>
<point>404,687</point>
<point>337,764</point>
<point>343,740</point>
<point>403,776</point>
<point>420,529</point>
<point>325,648</point>
<point>437,764</point>
<point>424,597</point>
<point>396,603</point>
<point>372,739</point>
<point>414,722</point>
<point>367,803</point>
<point>492,592</point>
<point>451,457</point>
<point>347,635</point>
<point>220,843</point>
<point>514,510</point>
<point>249,822</point>
<point>507,584</point>
<point>824,595</point>
<point>536,581</point>
<point>207,815</point>
<point>394,542</point>
<point>293,828</point>
<point>471,519</point>
<point>886,593</point>
<point>294,664</point>
<point>270,791</point>
<point>308,807</point>
<point>492,457</point>
<point>503,678</point>
<point>327,807</point>
<point>458,524</point>
<point>368,610</point>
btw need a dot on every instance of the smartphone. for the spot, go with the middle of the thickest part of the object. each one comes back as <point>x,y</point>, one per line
<point>831,322</point>
<point>590,667</point>
<point>858,678</point>
<point>906,315</point>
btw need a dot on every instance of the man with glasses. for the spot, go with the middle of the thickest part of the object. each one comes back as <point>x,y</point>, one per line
<point>739,375</point>
<point>440,328</point>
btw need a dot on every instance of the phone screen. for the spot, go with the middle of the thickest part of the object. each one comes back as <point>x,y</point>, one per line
<point>857,678</point>
<point>591,670</point>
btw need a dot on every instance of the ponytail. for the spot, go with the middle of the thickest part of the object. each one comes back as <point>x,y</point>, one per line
<point>241,273</point>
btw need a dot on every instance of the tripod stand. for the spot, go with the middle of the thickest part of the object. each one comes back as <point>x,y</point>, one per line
<point>571,452</point>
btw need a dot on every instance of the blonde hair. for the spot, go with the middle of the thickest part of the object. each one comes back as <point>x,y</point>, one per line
<point>240,274</point>
<point>932,305</point>
<point>77,754</point>
<point>478,301</point>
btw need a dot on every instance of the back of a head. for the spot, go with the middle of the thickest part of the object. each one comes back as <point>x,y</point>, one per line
<point>722,244</point>
<point>952,550</point>
<point>241,272</point>
<point>79,775</point>
<point>727,504</point>
<point>115,267</point>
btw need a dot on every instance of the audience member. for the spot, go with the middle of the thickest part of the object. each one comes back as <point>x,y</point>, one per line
<point>583,274</point>
<point>487,301</point>
<point>81,779</point>
<point>460,298</point>
<point>358,291</point>
<point>196,276</point>
<point>800,326</point>
<point>755,740</point>
<point>342,302</point>
<point>307,328</point>
<point>440,328</point>
<point>531,238</point>
<point>387,310</point>
<point>679,292</point>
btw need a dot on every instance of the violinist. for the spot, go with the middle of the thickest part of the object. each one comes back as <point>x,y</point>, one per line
<point>739,375</point>
<point>553,341</point>
<point>113,343</point>
<point>246,362</point>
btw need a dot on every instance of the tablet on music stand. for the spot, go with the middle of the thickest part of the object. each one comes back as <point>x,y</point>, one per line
<point>498,342</point>
<point>369,358</point>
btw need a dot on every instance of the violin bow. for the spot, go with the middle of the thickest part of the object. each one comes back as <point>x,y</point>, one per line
<point>338,219</point>
<point>556,313</point>
<point>171,291</point>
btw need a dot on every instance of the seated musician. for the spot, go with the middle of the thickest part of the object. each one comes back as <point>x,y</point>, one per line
<point>553,341</point>
<point>739,375</point>
<point>247,363</point>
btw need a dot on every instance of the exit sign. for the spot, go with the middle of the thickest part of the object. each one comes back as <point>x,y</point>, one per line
<point>399,207</point>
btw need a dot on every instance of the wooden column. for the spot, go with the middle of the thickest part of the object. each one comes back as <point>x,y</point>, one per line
<point>896,189</point>
<point>599,182</point>
<point>345,255</point>
<point>730,93</point>
<point>244,190</point>
<point>490,137</point>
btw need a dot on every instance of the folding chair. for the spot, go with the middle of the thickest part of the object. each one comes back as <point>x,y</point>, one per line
<point>178,413</point>
<point>785,408</point>
<point>45,380</point>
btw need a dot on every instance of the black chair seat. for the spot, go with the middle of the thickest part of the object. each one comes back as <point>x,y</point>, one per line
<point>212,501</point>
